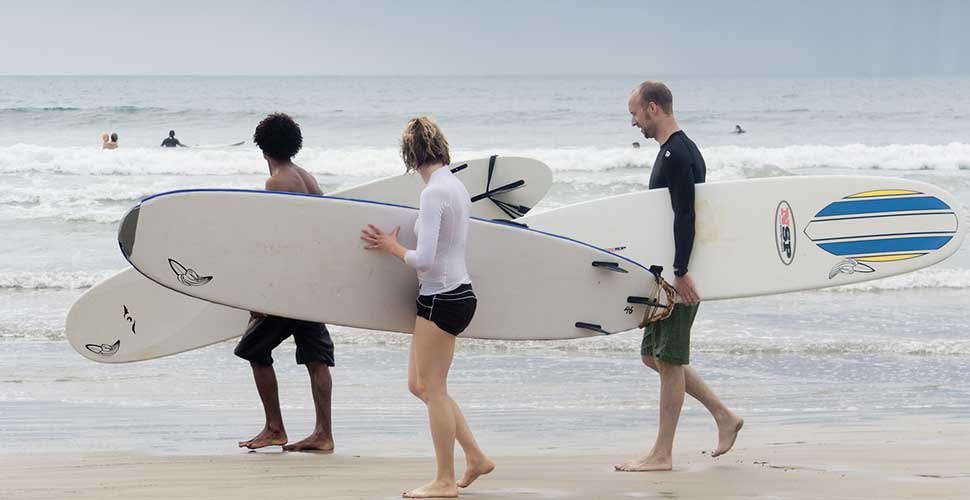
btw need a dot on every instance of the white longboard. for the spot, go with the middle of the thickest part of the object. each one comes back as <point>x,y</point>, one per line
<point>767,236</point>
<point>128,317</point>
<point>301,256</point>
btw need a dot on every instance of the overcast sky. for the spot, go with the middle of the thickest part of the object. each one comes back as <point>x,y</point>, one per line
<point>415,37</point>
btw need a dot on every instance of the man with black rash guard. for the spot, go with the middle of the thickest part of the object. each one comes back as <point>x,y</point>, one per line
<point>666,344</point>
<point>679,165</point>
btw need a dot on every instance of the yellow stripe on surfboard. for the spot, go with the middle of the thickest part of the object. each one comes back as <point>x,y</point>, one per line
<point>882,192</point>
<point>889,258</point>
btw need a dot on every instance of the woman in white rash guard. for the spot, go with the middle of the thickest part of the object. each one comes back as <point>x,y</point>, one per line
<point>445,304</point>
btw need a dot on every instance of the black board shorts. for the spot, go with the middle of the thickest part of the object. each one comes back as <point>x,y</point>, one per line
<point>451,311</point>
<point>265,333</point>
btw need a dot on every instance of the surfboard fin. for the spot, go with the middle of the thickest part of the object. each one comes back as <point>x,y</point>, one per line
<point>609,266</point>
<point>592,327</point>
<point>512,186</point>
<point>511,223</point>
<point>513,211</point>
<point>644,300</point>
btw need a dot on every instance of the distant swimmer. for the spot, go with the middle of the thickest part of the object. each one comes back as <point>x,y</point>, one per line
<point>636,145</point>
<point>738,130</point>
<point>112,144</point>
<point>105,141</point>
<point>171,141</point>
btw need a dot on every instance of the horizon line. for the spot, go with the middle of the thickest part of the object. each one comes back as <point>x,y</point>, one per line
<point>493,75</point>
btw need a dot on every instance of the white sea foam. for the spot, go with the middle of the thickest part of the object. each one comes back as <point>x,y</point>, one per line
<point>733,161</point>
<point>935,277</point>
<point>51,280</point>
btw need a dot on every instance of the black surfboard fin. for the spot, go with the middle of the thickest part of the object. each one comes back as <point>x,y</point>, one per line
<point>512,186</point>
<point>609,266</point>
<point>592,327</point>
<point>511,223</point>
<point>643,300</point>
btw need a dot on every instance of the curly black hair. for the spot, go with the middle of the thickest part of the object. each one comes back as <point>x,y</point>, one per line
<point>278,136</point>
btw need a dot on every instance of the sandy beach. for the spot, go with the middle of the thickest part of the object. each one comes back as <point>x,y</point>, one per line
<point>907,457</point>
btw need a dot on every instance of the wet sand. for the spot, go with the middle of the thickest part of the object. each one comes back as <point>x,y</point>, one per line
<point>906,457</point>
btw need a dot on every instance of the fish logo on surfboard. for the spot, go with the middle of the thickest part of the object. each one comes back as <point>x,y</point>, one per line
<point>104,349</point>
<point>187,276</point>
<point>850,266</point>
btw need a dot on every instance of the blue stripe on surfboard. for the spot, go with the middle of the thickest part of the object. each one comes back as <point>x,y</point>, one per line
<point>884,205</point>
<point>886,245</point>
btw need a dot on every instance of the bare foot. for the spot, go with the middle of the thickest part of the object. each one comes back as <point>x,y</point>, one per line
<point>434,489</point>
<point>646,463</point>
<point>313,442</point>
<point>727,434</point>
<point>475,469</point>
<point>265,438</point>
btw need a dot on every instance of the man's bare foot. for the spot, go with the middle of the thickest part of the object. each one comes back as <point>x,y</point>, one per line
<point>313,442</point>
<point>265,438</point>
<point>434,489</point>
<point>646,463</point>
<point>727,434</point>
<point>475,469</point>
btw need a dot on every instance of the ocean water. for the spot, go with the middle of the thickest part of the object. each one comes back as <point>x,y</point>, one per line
<point>878,349</point>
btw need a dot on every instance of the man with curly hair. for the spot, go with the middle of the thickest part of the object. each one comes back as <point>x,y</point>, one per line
<point>279,137</point>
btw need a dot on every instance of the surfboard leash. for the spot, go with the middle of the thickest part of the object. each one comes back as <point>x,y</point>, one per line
<point>656,309</point>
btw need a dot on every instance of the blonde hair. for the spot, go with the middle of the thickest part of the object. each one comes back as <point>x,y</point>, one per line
<point>423,143</point>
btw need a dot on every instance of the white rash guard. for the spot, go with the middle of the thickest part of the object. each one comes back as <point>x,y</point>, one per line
<point>442,228</point>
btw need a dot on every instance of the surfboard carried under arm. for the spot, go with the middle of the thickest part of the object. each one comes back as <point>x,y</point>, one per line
<point>531,285</point>
<point>129,318</point>
<point>767,236</point>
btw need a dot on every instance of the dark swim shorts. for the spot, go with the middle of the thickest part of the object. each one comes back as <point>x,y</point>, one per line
<point>313,343</point>
<point>452,311</point>
<point>669,340</point>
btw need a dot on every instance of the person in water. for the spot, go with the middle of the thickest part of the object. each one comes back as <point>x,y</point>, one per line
<point>445,304</point>
<point>738,130</point>
<point>171,141</point>
<point>105,139</point>
<point>112,143</point>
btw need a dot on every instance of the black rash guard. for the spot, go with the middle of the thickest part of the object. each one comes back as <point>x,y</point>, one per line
<point>171,142</point>
<point>679,165</point>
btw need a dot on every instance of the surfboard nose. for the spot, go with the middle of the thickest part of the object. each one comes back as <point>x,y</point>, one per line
<point>126,233</point>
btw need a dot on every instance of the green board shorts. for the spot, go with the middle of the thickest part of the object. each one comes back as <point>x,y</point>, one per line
<point>669,340</point>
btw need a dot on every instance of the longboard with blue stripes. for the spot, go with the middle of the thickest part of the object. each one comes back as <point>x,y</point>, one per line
<point>783,234</point>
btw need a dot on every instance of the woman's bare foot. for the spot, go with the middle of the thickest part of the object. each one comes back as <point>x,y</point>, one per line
<point>647,463</point>
<point>727,434</point>
<point>475,469</point>
<point>434,489</point>
<point>314,442</point>
<point>267,437</point>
